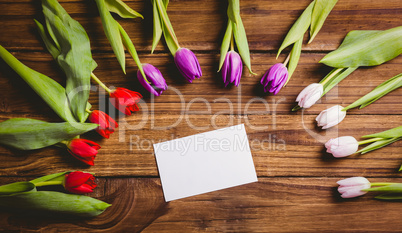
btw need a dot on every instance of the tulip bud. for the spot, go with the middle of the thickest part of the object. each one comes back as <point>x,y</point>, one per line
<point>330,117</point>
<point>105,122</point>
<point>187,64</point>
<point>83,150</point>
<point>232,68</point>
<point>309,95</point>
<point>352,187</point>
<point>79,182</point>
<point>157,83</point>
<point>275,78</point>
<point>342,146</point>
<point>125,100</point>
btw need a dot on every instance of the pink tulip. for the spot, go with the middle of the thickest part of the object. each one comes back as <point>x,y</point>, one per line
<point>342,146</point>
<point>309,95</point>
<point>330,117</point>
<point>352,187</point>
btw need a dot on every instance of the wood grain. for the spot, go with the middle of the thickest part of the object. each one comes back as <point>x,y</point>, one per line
<point>282,145</point>
<point>208,91</point>
<point>270,205</point>
<point>266,22</point>
<point>296,191</point>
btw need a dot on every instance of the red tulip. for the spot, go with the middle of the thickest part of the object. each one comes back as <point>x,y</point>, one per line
<point>83,150</point>
<point>79,182</point>
<point>105,122</point>
<point>125,100</point>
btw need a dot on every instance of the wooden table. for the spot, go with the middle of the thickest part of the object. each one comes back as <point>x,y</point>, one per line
<point>296,191</point>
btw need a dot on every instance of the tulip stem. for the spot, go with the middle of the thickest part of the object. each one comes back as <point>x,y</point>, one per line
<point>231,43</point>
<point>297,107</point>
<point>331,76</point>
<point>46,183</point>
<point>381,184</point>
<point>65,142</point>
<point>93,76</point>
<point>170,30</point>
<point>286,60</point>
<point>369,141</point>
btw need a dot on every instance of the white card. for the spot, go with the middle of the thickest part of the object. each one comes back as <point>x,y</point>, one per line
<point>205,162</point>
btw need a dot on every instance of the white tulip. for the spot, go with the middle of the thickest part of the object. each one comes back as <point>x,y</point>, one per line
<point>342,146</point>
<point>352,187</point>
<point>330,117</point>
<point>309,95</point>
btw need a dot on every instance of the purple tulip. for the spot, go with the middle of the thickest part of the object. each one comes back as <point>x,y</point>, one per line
<point>187,64</point>
<point>275,78</point>
<point>232,68</point>
<point>157,83</point>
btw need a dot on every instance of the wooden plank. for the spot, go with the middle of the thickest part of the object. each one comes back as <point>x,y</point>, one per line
<point>270,205</point>
<point>296,191</point>
<point>266,22</point>
<point>208,91</point>
<point>282,145</point>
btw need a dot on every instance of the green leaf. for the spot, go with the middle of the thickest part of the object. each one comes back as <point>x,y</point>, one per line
<point>49,43</point>
<point>366,48</point>
<point>51,202</point>
<point>131,49</point>
<point>234,11</point>
<point>396,187</point>
<point>242,45</point>
<point>378,144</point>
<point>49,177</point>
<point>225,44</point>
<point>167,28</point>
<point>120,8</point>
<point>75,56</point>
<point>378,92</point>
<point>166,3</point>
<point>294,57</point>
<point>87,113</point>
<point>321,10</point>
<point>356,36</point>
<point>17,187</point>
<point>111,29</point>
<point>337,78</point>
<point>53,50</point>
<point>30,134</point>
<point>391,133</point>
<point>298,29</point>
<point>157,28</point>
<point>48,89</point>
<point>389,196</point>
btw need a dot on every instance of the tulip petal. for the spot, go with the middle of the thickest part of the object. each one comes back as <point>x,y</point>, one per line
<point>358,180</point>
<point>188,64</point>
<point>76,178</point>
